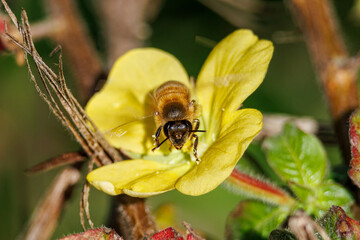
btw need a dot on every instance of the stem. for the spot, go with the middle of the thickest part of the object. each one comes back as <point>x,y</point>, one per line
<point>131,218</point>
<point>258,189</point>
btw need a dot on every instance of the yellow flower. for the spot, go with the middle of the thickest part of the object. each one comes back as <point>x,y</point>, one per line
<point>233,70</point>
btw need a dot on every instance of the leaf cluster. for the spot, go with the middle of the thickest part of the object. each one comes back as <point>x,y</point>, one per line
<point>299,163</point>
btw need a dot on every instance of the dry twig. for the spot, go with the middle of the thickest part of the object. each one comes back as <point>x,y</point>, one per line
<point>45,220</point>
<point>63,159</point>
<point>56,90</point>
<point>60,100</point>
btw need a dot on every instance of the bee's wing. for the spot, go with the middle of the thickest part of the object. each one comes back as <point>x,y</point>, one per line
<point>134,136</point>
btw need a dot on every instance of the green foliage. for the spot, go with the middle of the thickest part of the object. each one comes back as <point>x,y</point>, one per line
<point>330,193</point>
<point>254,220</point>
<point>299,159</point>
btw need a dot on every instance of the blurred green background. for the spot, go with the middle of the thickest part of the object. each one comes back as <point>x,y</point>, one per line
<point>30,134</point>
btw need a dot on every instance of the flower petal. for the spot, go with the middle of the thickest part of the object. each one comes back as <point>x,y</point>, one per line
<point>126,95</point>
<point>221,157</point>
<point>113,178</point>
<point>137,178</point>
<point>233,70</point>
<point>161,180</point>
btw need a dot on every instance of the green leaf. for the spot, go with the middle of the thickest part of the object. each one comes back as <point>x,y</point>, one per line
<point>281,235</point>
<point>330,193</point>
<point>258,159</point>
<point>254,220</point>
<point>297,157</point>
<point>338,225</point>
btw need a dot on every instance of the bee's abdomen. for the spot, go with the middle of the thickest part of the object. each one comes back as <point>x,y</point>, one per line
<point>175,88</point>
<point>172,101</point>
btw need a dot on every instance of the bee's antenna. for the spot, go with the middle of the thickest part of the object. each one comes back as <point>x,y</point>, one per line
<point>159,144</point>
<point>198,131</point>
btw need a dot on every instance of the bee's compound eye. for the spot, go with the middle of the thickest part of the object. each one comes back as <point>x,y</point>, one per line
<point>167,128</point>
<point>187,124</point>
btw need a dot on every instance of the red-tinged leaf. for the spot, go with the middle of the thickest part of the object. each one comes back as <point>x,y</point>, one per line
<point>354,133</point>
<point>167,234</point>
<point>98,234</point>
<point>338,225</point>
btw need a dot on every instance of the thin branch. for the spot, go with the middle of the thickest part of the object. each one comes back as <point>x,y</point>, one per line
<point>58,161</point>
<point>84,206</point>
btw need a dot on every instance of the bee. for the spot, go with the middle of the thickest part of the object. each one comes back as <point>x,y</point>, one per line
<point>176,115</point>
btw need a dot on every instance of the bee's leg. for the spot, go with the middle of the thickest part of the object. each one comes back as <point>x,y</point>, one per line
<point>196,141</point>
<point>197,125</point>
<point>157,135</point>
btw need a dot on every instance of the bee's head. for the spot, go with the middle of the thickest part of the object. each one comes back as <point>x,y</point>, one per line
<point>178,132</point>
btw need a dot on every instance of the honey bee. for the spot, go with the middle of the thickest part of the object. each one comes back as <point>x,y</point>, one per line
<point>176,115</point>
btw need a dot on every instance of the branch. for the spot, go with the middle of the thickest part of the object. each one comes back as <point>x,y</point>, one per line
<point>335,69</point>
